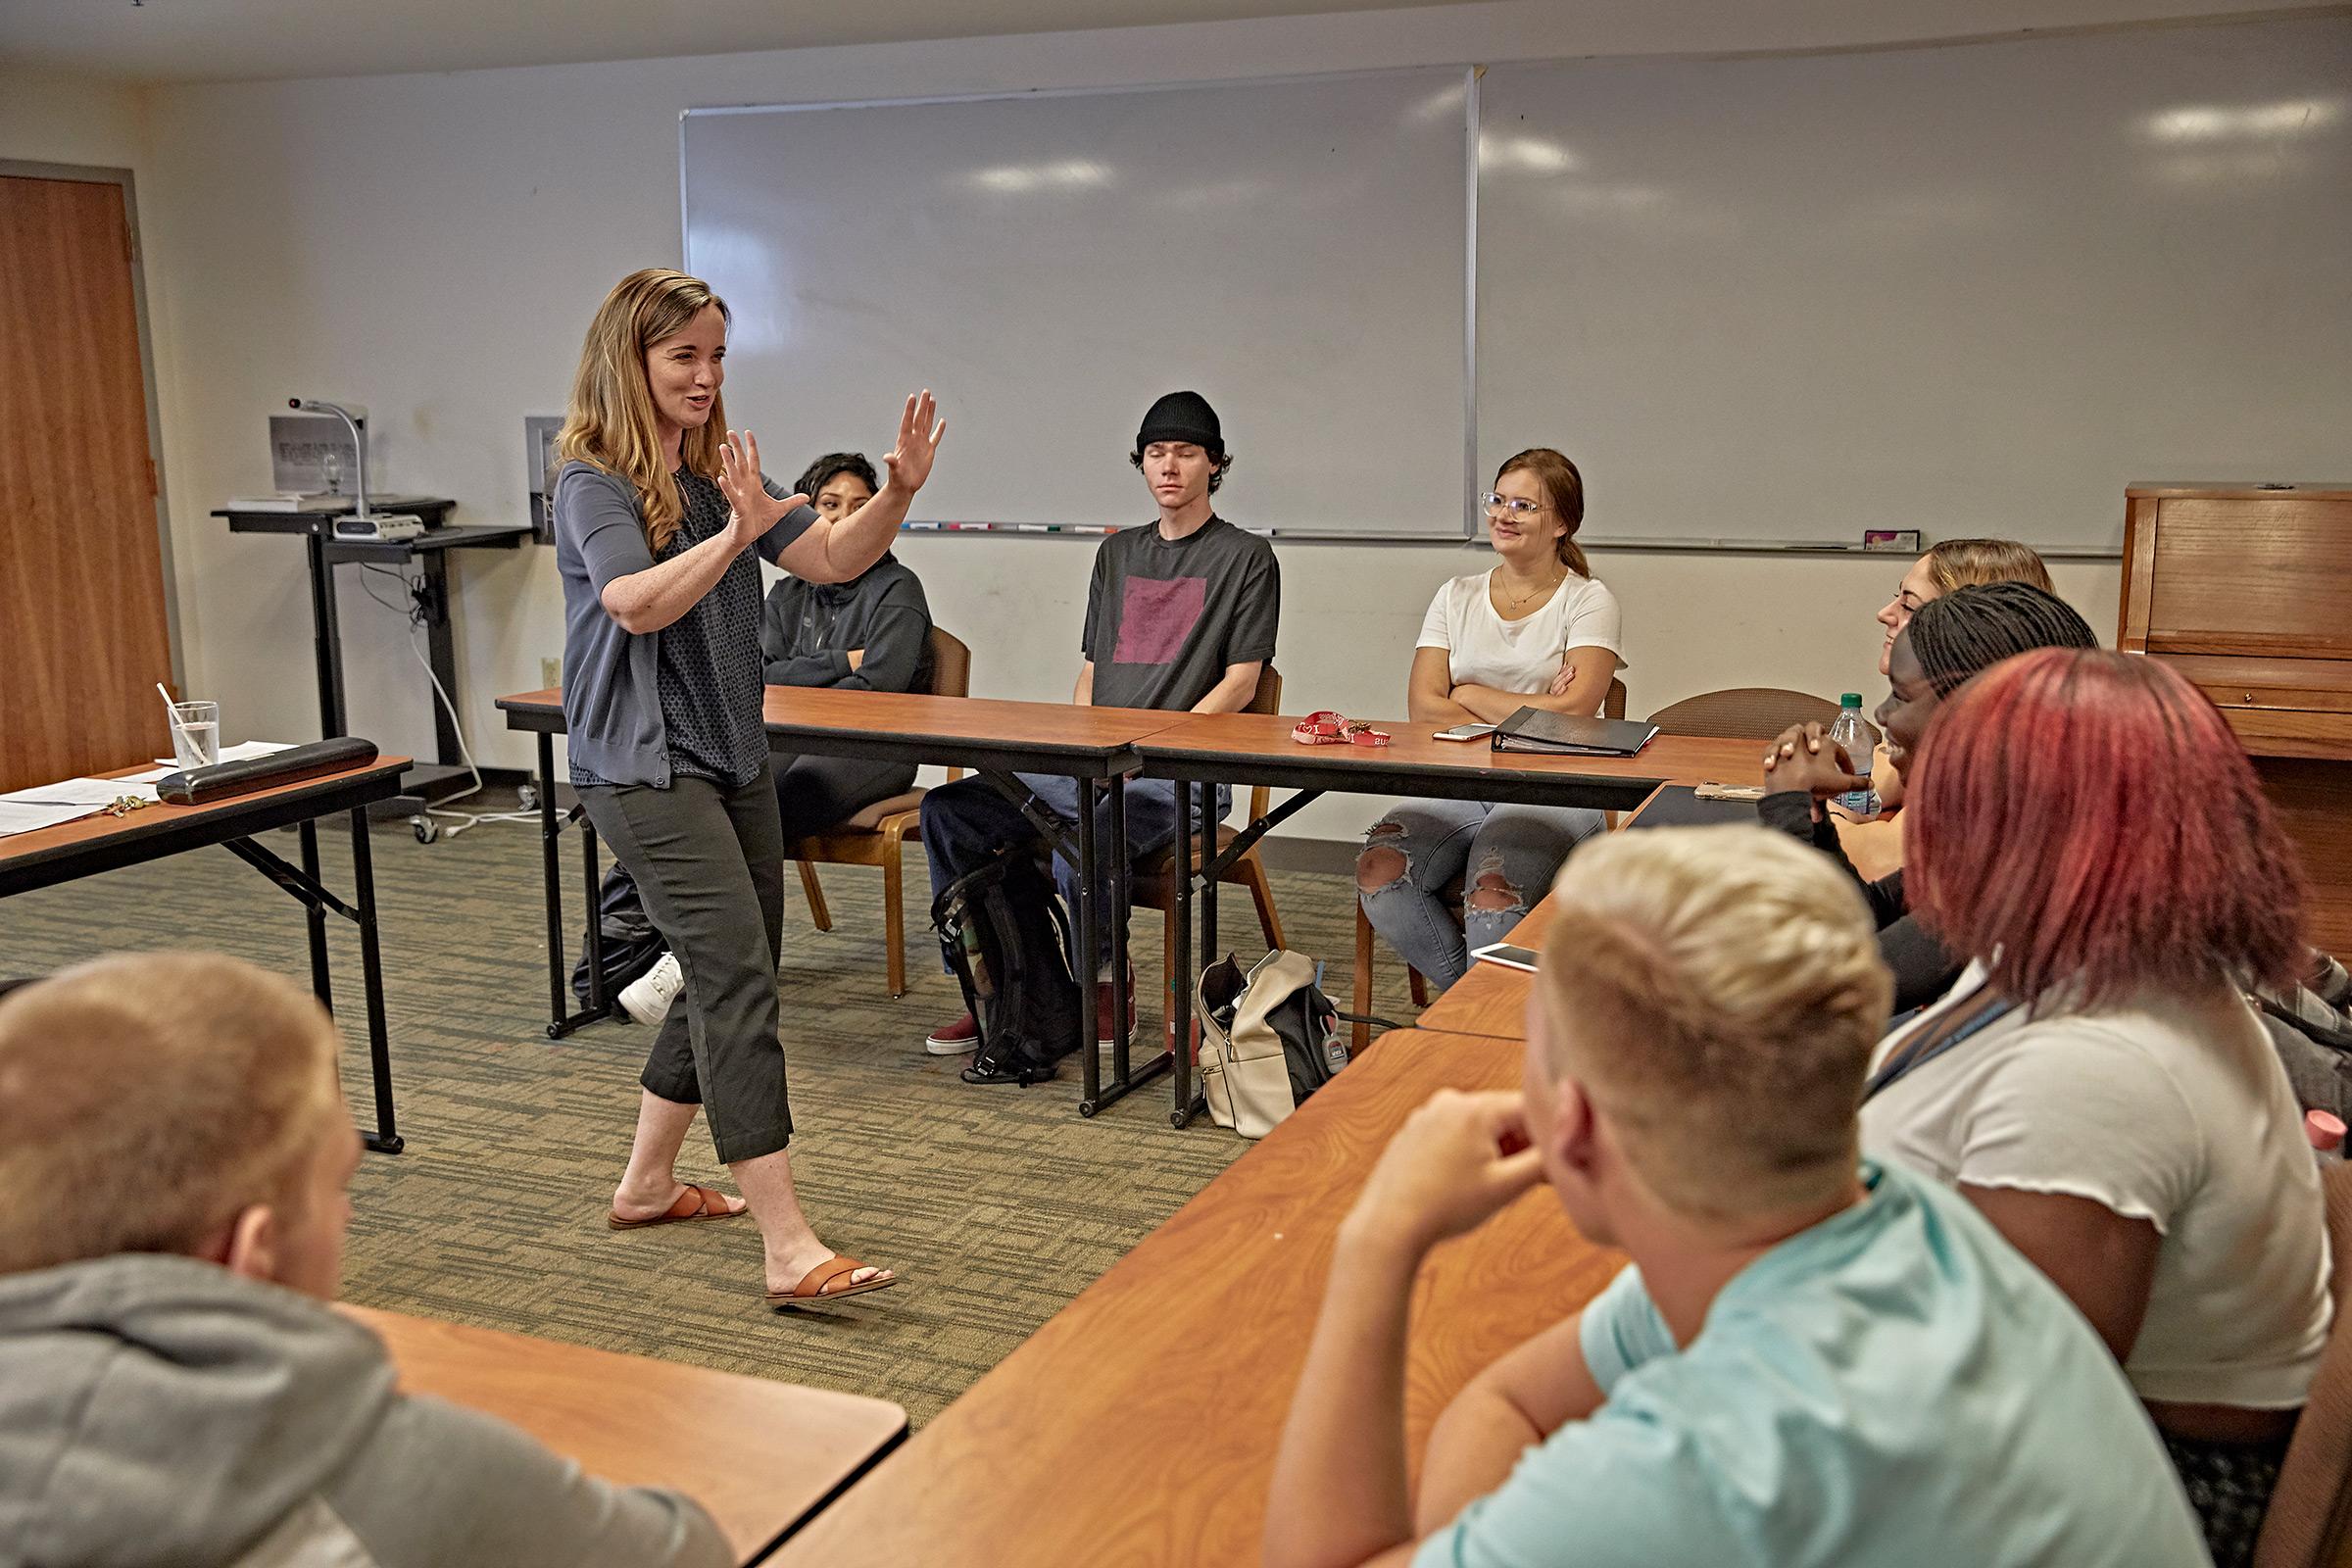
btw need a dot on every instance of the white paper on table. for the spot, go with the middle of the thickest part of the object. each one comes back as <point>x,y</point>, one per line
<point>232,753</point>
<point>18,817</point>
<point>90,794</point>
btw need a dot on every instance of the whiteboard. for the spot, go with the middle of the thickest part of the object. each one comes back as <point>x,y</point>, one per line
<point>1294,250</point>
<point>1973,289</point>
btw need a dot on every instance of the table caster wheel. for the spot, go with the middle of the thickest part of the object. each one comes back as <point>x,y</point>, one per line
<point>426,829</point>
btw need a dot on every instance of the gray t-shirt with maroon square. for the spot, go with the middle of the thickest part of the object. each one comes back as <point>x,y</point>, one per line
<point>1164,617</point>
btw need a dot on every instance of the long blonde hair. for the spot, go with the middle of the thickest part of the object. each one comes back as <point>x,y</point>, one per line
<point>611,425</point>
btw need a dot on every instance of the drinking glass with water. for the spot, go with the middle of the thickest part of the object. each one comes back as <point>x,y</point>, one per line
<point>196,734</point>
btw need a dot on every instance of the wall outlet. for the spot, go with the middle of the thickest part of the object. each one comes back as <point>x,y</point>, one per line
<point>550,671</point>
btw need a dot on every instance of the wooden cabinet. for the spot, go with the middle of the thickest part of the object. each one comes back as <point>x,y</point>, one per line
<point>2247,591</point>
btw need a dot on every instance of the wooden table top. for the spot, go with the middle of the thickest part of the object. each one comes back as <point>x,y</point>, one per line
<point>966,720</point>
<point>760,1456</point>
<point>1139,1425</point>
<point>159,818</point>
<point>1696,757</point>
<point>1490,1001</point>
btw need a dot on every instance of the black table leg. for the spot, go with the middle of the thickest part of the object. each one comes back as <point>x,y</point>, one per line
<point>1121,990</point>
<point>1180,968</point>
<point>1209,877</point>
<point>552,886</point>
<point>1187,1102</point>
<point>441,652</point>
<point>326,631</point>
<point>322,983</point>
<point>386,1137</point>
<point>1090,909</point>
<point>592,880</point>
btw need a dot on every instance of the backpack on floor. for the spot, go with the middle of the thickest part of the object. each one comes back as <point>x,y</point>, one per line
<point>1268,1038</point>
<point>1002,931</point>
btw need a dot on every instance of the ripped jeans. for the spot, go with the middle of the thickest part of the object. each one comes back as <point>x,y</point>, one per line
<point>1504,857</point>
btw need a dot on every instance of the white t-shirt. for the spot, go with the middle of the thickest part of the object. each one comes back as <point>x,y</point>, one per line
<point>1482,649</point>
<point>2175,1112</point>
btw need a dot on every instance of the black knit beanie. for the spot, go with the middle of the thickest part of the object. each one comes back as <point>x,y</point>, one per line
<point>1183,416</point>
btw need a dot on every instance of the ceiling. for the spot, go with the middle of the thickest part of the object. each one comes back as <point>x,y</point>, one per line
<point>211,40</point>
<point>243,40</point>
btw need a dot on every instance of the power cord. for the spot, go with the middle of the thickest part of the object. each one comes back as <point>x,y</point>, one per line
<point>414,614</point>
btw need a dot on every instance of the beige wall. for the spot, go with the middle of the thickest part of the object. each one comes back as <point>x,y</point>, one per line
<point>433,246</point>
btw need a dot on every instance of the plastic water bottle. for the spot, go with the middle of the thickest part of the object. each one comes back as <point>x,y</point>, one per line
<point>1848,732</point>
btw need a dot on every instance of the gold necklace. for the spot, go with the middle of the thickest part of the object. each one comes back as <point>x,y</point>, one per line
<point>1521,599</point>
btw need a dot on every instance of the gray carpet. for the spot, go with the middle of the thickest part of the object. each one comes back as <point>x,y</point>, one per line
<point>997,1205</point>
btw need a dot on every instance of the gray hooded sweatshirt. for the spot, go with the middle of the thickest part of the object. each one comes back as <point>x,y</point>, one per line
<point>161,1410</point>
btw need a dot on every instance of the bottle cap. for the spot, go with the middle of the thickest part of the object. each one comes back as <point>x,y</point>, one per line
<point>2322,1129</point>
<point>1850,700</point>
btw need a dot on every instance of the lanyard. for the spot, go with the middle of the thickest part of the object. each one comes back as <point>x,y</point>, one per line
<point>1925,1046</point>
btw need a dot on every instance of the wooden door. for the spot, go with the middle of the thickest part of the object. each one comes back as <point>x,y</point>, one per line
<point>83,634</point>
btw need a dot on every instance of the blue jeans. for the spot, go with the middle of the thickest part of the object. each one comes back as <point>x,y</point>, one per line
<point>1504,857</point>
<point>966,822</point>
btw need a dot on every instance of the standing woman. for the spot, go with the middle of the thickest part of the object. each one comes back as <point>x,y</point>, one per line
<point>1536,630</point>
<point>657,507</point>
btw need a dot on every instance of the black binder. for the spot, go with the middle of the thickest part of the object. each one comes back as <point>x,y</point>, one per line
<point>1532,729</point>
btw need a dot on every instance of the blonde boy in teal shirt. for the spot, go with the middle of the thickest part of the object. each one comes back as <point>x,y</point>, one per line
<point>1810,1361</point>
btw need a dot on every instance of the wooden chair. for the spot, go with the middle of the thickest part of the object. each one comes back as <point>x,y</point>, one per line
<point>876,835</point>
<point>2310,1521</point>
<point>1742,712</point>
<point>1611,706</point>
<point>1154,883</point>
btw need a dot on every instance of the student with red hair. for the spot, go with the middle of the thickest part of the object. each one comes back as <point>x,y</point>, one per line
<point>2088,832</point>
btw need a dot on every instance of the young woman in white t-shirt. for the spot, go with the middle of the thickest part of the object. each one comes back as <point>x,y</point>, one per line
<point>2085,827</point>
<point>1536,630</point>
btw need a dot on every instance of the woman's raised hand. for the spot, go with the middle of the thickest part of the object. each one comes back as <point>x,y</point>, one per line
<point>753,509</point>
<point>910,462</point>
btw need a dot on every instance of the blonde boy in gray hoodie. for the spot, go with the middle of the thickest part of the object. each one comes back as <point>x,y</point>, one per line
<point>175,1153</point>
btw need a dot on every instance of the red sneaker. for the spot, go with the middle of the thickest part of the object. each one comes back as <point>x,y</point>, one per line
<point>1104,1033</point>
<point>954,1039</point>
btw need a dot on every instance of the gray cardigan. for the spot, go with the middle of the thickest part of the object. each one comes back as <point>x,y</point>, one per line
<point>612,704</point>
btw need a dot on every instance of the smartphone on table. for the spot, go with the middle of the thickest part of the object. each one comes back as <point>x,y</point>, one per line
<point>1466,732</point>
<point>1507,955</point>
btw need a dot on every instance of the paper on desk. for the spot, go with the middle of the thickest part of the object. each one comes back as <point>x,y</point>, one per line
<point>90,794</point>
<point>18,817</point>
<point>234,754</point>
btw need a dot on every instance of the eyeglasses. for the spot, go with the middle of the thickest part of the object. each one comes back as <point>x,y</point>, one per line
<point>1491,501</point>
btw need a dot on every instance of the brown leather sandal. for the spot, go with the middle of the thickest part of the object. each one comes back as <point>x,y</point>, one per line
<point>694,1204</point>
<point>813,1285</point>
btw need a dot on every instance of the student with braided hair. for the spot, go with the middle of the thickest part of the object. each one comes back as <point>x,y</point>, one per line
<point>1947,642</point>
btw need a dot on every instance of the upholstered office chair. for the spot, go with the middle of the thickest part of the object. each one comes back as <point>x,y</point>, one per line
<point>876,836</point>
<point>1611,706</point>
<point>2310,1522</point>
<point>1155,883</point>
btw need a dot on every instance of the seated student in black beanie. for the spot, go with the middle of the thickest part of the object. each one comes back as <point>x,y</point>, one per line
<point>1947,640</point>
<point>871,633</point>
<point>1180,616</point>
